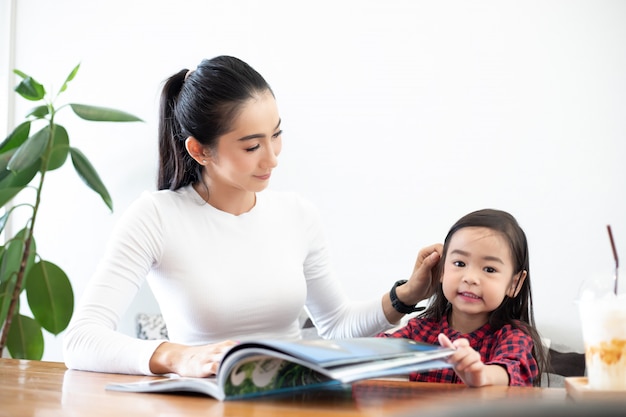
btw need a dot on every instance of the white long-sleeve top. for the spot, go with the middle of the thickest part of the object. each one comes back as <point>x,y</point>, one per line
<point>215,276</point>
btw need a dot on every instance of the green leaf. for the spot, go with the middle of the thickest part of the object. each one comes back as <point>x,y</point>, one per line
<point>89,175</point>
<point>4,163</point>
<point>11,179</point>
<point>25,339</point>
<point>6,289</point>
<point>30,151</point>
<point>16,138</point>
<point>29,88</point>
<point>32,252</point>
<point>9,265</point>
<point>69,78</point>
<point>102,114</point>
<point>20,179</point>
<point>11,258</point>
<point>4,219</point>
<point>39,112</point>
<point>50,296</point>
<point>7,194</point>
<point>20,73</point>
<point>60,148</point>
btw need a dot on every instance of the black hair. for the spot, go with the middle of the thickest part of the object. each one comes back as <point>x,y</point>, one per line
<point>203,104</point>
<point>516,311</point>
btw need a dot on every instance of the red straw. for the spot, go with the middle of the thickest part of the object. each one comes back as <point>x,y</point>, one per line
<point>608,227</point>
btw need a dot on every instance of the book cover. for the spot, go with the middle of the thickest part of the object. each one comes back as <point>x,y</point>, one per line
<point>273,366</point>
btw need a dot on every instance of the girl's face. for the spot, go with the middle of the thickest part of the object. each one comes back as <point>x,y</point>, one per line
<point>245,156</point>
<point>478,273</point>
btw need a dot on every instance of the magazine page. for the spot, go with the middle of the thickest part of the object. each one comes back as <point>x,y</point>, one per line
<point>256,370</point>
<point>305,362</point>
<point>328,353</point>
<point>206,386</point>
<point>257,373</point>
<point>401,366</point>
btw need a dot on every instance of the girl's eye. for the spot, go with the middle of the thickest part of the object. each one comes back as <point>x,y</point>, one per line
<point>277,134</point>
<point>460,264</point>
<point>254,148</point>
<point>490,269</point>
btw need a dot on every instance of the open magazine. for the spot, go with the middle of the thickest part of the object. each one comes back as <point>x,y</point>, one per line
<point>272,366</point>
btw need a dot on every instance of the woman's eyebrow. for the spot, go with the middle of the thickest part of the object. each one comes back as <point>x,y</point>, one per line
<point>250,137</point>
<point>257,135</point>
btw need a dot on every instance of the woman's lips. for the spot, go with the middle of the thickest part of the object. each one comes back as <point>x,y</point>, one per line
<point>264,177</point>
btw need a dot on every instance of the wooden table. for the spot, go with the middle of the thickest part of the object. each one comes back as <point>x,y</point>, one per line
<point>34,388</point>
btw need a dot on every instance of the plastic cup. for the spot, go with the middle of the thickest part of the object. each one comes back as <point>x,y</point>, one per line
<point>603,320</point>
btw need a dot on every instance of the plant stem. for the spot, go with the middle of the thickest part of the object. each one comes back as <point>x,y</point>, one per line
<point>17,289</point>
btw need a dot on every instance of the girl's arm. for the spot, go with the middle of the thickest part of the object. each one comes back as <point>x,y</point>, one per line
<point>469,366</point>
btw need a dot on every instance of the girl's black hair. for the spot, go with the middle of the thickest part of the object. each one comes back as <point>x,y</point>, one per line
<point>201,103</point>
<point>517,311</point>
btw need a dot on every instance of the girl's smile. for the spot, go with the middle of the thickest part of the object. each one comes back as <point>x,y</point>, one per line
<point>469,297</point>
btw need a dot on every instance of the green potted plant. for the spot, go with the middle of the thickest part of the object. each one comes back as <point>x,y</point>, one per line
<point>25,161</point>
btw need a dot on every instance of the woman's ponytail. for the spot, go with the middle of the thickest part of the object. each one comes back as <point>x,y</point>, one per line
<point>176,167</point>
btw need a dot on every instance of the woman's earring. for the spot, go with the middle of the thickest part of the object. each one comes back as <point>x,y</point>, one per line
<point>204,161</point>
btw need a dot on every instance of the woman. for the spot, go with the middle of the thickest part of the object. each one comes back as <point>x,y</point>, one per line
<point>225,259</point>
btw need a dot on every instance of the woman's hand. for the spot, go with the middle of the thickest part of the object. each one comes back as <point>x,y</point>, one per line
<point>194,361</point>
<point>424,279</point>
<point>469,366</point>
<point>421,284</point>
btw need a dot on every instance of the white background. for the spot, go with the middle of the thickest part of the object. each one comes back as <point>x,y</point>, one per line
<point>399,117</point>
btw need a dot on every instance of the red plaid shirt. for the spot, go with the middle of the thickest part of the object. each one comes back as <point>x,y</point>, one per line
<point>508,347</point>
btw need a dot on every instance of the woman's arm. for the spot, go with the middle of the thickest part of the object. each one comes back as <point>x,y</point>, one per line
<point>92,341</point>
<point>194,361</point>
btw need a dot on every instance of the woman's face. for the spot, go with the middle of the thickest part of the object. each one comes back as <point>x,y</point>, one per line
<point>245,156</point>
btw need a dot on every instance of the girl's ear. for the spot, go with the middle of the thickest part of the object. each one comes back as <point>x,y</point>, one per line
<point>196,150</point>
<point>516,284</point>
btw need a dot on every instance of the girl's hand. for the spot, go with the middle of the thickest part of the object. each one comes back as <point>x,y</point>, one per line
<point>469,366</point>
<point>195,361</point>
<point>465,360</point>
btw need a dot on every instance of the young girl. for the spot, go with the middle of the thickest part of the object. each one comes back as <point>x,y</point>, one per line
<point>482,306</point>
<point>226,259</point>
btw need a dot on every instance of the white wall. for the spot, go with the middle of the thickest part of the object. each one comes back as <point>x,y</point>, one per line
<point>399,118</point>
